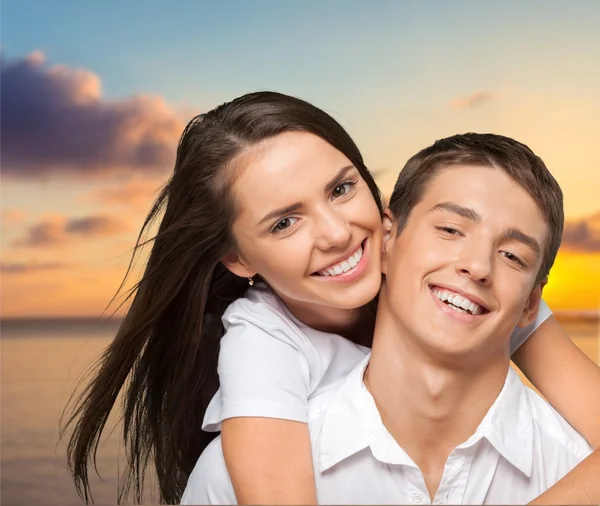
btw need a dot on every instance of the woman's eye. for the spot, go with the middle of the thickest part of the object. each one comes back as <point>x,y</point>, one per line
<point>343,189</point>
<point>284,224</point>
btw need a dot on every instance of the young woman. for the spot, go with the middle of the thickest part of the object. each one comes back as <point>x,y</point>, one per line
<point>266,190</point>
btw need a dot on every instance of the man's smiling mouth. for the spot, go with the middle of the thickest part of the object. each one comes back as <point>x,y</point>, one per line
<point>460,303</point>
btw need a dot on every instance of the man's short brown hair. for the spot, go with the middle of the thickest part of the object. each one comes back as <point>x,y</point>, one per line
<point>484,150</point>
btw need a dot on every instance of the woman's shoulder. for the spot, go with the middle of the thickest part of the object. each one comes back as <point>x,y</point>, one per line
<point>270,363</point>
<point>265,363</point>
<point>258,299</point>
<point>260,324</point>
<point>260,311</point>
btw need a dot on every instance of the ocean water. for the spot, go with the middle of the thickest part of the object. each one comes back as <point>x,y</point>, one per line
<point>41,362</point>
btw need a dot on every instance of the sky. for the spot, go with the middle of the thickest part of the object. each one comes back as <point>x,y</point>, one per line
<point>95,95</point>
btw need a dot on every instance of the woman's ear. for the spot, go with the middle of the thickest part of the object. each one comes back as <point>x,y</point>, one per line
<point>235,264</point>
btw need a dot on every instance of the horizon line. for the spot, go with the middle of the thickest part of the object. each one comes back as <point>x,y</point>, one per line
<point>6,318</point>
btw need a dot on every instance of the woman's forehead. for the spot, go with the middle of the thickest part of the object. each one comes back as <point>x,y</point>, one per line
<point>291,165</point>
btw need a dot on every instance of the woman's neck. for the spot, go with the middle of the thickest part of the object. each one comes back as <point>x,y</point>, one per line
<point>356,324</point>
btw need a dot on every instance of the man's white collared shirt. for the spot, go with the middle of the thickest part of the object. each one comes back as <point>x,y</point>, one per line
<point>520,449</point>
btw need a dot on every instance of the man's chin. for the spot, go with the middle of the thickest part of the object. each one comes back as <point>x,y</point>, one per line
<point>456,346</point>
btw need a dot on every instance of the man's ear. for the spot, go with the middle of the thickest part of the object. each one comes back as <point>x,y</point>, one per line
<point>388,239</point>
<point>234,263</point>
<point>532,305</point>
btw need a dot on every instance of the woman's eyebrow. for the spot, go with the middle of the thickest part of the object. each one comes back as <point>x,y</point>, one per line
<point>280,212</point>
<point>297,205</point>
<point>335,180</point>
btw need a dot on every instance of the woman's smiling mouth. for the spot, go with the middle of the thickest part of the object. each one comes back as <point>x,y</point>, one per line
<point>349,268</point>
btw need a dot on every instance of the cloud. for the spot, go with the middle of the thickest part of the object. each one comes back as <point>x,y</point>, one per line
<point>95,226</point>
<point>55,121</point>
<point>582,235</point>
<point>29,267</point>
<point>135,194</point>
<point>57,230</point>
<point>49,232</point>
<point>13,216</point>
<point>473,101</point>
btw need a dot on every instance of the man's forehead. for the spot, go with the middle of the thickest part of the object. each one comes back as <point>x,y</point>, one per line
<point>472,183</point>
<point>483,194</point>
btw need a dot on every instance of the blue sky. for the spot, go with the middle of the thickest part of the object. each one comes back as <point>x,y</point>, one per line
<point>201,51</point>
<point>89,83</point>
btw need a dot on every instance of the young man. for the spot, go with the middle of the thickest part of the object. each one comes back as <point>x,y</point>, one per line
<point>435,414</point>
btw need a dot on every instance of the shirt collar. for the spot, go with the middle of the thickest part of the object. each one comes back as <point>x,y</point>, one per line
<point>352,423</point>
<point>508,425</point>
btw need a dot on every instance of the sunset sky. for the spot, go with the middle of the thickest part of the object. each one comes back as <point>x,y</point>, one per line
<point>95,95</point>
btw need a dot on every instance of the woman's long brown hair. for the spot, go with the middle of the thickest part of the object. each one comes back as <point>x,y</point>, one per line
<point>164,356</point>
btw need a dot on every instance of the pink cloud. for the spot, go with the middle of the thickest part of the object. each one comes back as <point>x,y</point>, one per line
<point>582,235</point>
<point>19,268</point>
<point>13,216</point>
<point>135,194</point>
<point>58,230</point>
<point>49,232</point>
<point>473,101</point>
<point>55,121</point>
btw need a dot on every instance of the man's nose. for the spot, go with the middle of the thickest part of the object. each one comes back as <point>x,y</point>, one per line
<point>475,262</point>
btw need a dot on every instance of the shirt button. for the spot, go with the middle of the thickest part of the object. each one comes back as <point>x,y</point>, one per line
<point>417,497</point>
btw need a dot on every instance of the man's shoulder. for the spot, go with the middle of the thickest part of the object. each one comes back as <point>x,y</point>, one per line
<point>552,429</point>
<point>209,482</point>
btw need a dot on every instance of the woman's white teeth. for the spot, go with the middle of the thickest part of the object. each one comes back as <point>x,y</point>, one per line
<point>344,265</point>
<point>457,302</point>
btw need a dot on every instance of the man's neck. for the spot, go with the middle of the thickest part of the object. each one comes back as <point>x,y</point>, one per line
<point>429,407</point>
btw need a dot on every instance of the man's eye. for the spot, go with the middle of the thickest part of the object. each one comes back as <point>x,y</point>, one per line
<point>449,230</point>
<point>513,258</point>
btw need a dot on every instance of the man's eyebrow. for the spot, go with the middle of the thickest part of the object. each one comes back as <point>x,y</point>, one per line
<point>510,233</point>
<point>297,205</point>
<point>335,180</point>
<point>465,212</point>
<point>522,237</point>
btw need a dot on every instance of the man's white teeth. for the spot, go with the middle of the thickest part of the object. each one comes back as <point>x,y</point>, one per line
<point>458,302</point>
<point>344,265</point>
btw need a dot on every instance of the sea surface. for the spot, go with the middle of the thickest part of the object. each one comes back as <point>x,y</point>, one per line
<point>41,362</point>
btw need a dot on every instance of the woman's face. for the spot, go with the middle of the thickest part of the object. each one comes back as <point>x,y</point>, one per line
<point>307,223</point>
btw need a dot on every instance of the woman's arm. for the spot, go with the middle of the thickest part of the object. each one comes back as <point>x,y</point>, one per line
<point>580,486</point>
<point>570,381</point>
<point>265,369</point>
<point>269,460</point>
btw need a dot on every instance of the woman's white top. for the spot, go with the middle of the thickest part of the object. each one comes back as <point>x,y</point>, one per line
<point>270,363</point>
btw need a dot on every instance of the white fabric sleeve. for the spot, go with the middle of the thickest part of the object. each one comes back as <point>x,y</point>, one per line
<point>262,374</point>
<point>520,335</point>
<point>209,482</point>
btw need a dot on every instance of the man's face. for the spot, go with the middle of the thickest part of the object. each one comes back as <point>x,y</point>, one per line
<point>461,275</point>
